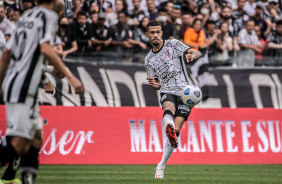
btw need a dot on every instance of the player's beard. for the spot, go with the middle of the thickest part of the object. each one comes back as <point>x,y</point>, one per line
<point>156,44</point>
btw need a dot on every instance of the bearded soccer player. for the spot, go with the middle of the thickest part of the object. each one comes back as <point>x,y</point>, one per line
<point>166,72</point>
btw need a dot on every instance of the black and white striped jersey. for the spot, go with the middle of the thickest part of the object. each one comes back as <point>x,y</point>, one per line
<point>35,26</point>
<point>168,66</point>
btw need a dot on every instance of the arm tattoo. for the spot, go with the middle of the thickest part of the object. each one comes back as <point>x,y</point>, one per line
<point>168,105</point>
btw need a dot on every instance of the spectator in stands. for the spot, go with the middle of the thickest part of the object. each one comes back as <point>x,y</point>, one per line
<point>93,17</point>
<point>211,35</point>
<point>69,43</point>
<point>111,18</point>
<point>249,44</point>
<point>259,60</point>
<point>262,3</point>
<point>16,15</point>
<point>136,14</point>
<point>194,36</point>
<point>264,24</point>
<point>166,26</point>
<point>4,23</point>
<point>84,33</point>
<point>175,20</point>
<point>26,5</point>
<point>272,12</point>
<point>169,6</point>
<point>76,8</point>
<point>94,7</point>
<point>226,16</point>
<point>250,7</point>
<point>275,44</point>
<point>102,34</point>
<point>240,16</point>
<point>223,46</point>
<point>187,20</point>
<point>10,14</point>
<point>105,6</point>
<point>140,32</point>
<point>153,12</point>
<point>122,37</point>
<point>204,11</point>
<point>10,17</point>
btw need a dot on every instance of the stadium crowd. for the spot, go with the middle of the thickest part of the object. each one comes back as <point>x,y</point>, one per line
<point>241,33</point>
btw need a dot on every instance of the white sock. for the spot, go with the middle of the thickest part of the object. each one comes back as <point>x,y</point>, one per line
<point>168,150</point>
<point>168,119</point>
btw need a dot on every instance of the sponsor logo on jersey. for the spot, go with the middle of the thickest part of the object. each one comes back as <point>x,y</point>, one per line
<point>165,75</point>
<point>167,53</point>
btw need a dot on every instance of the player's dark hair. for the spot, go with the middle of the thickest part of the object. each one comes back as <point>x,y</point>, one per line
<point>153,23</point>
<point>279,23</point>
<point>81,13</point>
<point>123,12</point>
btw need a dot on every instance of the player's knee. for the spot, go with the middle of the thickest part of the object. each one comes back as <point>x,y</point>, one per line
<point>21,145</point>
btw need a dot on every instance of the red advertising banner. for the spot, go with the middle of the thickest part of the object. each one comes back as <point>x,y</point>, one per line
<point>129,135</point>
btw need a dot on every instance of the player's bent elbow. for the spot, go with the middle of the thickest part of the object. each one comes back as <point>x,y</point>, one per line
<point>45,48</point>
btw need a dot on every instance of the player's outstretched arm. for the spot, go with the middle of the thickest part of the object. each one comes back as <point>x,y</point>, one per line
<point>154,83</point>
<point>4,63</point>
<point>47,50</point>
<point>192,55</point>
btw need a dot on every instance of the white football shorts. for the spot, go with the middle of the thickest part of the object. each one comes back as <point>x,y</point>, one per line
<point>23,119</point>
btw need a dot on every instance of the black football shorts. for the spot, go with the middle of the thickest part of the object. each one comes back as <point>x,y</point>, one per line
<point>182,110</point>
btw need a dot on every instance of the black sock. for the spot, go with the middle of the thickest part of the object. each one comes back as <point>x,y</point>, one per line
<point>29,166</point>
<point>7,154</point>
<point>177,134</point>
<point>10,173</point>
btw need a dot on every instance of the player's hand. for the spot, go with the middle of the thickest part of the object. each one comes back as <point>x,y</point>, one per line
<point>78,87</point>
<point>189,57</point>
<point>48,87</point>
<point>151,81</point>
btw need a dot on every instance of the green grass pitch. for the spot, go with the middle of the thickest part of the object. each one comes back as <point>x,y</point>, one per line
<point>123,174</point>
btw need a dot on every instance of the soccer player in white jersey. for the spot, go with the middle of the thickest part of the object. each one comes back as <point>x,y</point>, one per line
<point>166,72</point>
<point>24,56</point>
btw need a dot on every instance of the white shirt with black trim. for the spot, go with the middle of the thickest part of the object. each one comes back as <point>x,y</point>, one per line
<point>35,27</point>
<point>168,66</point>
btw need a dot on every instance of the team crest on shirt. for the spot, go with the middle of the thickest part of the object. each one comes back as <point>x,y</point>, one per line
<point>167,53</point>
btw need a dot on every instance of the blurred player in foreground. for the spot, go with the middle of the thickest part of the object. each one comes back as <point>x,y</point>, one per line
<point>24,56</point>
<point>166,71</point>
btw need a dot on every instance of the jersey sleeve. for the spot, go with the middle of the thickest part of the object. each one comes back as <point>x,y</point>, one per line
<point>11,41</point>
<point>47,28</point>
<point>179,47</point>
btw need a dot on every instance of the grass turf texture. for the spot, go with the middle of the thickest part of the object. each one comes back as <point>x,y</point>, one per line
<point>72,174</point>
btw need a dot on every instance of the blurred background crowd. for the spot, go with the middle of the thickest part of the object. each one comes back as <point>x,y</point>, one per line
<point>237,33</point>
